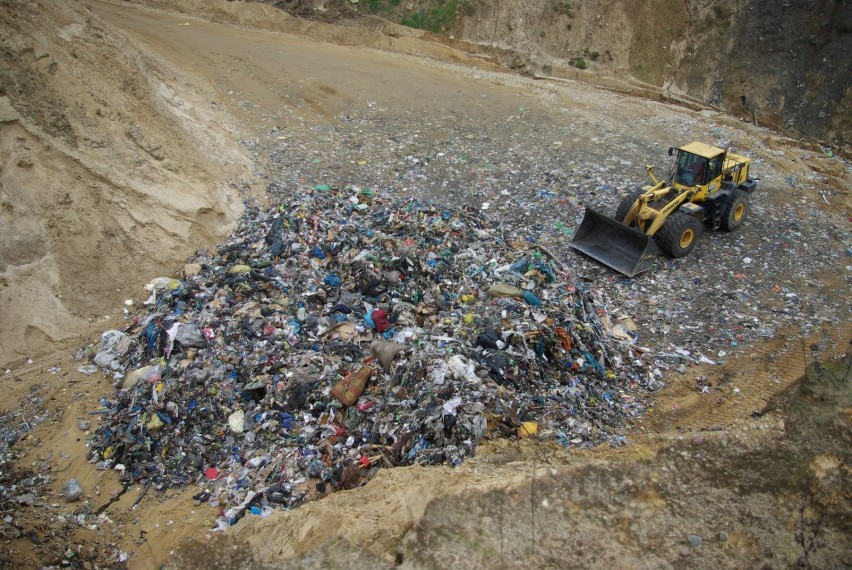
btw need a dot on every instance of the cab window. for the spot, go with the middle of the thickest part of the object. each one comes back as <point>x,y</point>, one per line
<point>691,169</point>
<point>714,168</point>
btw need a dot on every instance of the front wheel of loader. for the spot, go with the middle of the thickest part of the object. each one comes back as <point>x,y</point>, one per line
<point>627,203</point>
<point>679,233</point>
<point>736,211</point>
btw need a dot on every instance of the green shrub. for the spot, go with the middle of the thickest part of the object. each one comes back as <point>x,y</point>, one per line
<point>565,8</point>
<point>579,63</point>
<point>722,11</point>
<point>440,17</point>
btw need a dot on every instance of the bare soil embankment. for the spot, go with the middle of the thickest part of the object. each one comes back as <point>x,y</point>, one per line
<point>114,168</point>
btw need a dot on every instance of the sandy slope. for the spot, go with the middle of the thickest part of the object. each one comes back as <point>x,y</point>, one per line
<point>115,167</point>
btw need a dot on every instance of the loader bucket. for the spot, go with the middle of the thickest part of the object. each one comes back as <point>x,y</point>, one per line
<point>625,249</point>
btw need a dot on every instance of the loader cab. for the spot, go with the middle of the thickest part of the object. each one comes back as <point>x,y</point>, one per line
<point>698,164</point>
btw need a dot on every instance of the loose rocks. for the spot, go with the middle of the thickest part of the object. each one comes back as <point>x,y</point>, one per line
<point>72,491</point>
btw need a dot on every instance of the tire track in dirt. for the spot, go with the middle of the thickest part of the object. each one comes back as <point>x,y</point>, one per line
<point>743,387</point>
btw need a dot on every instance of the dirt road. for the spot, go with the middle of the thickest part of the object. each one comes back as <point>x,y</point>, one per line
<point>263,75</point>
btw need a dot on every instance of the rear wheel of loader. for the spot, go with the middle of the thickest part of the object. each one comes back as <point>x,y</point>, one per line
<point>736,211</point>
<point>679,233</point>
<point>627,203</point>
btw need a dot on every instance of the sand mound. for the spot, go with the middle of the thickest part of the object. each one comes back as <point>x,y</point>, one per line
<point>108,172</point>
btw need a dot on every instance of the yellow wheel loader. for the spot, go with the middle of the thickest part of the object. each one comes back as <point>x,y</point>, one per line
<point>706,187</point>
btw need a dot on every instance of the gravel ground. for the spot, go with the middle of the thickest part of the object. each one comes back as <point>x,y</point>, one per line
<point>533,167</point>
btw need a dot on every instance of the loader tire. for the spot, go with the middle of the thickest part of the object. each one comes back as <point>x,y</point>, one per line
<point>679,234</point>
<point>627,203</point>
<point>736,211</point>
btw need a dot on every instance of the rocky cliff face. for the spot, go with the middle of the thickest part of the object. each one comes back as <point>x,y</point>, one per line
<point>788,64</point>
<point>780,63</point>
<point>784,64</point>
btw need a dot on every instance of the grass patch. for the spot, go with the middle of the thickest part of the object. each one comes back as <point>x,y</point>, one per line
<point>382,7</point>
<point>564,8</point>
<point>438,18</point>
<point>723,12</point>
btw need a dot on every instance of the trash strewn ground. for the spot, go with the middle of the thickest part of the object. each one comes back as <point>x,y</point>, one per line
<point>277,315</point>
<point>346,330</point>
<point>503,154</point>
<point>537,168</point>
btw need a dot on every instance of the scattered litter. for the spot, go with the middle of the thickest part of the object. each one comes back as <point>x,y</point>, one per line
<point>470,326</point>
<point>342,331</point>
<point>72,491</point>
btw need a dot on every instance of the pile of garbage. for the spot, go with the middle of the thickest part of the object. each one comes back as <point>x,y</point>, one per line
<point>344,330</point>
